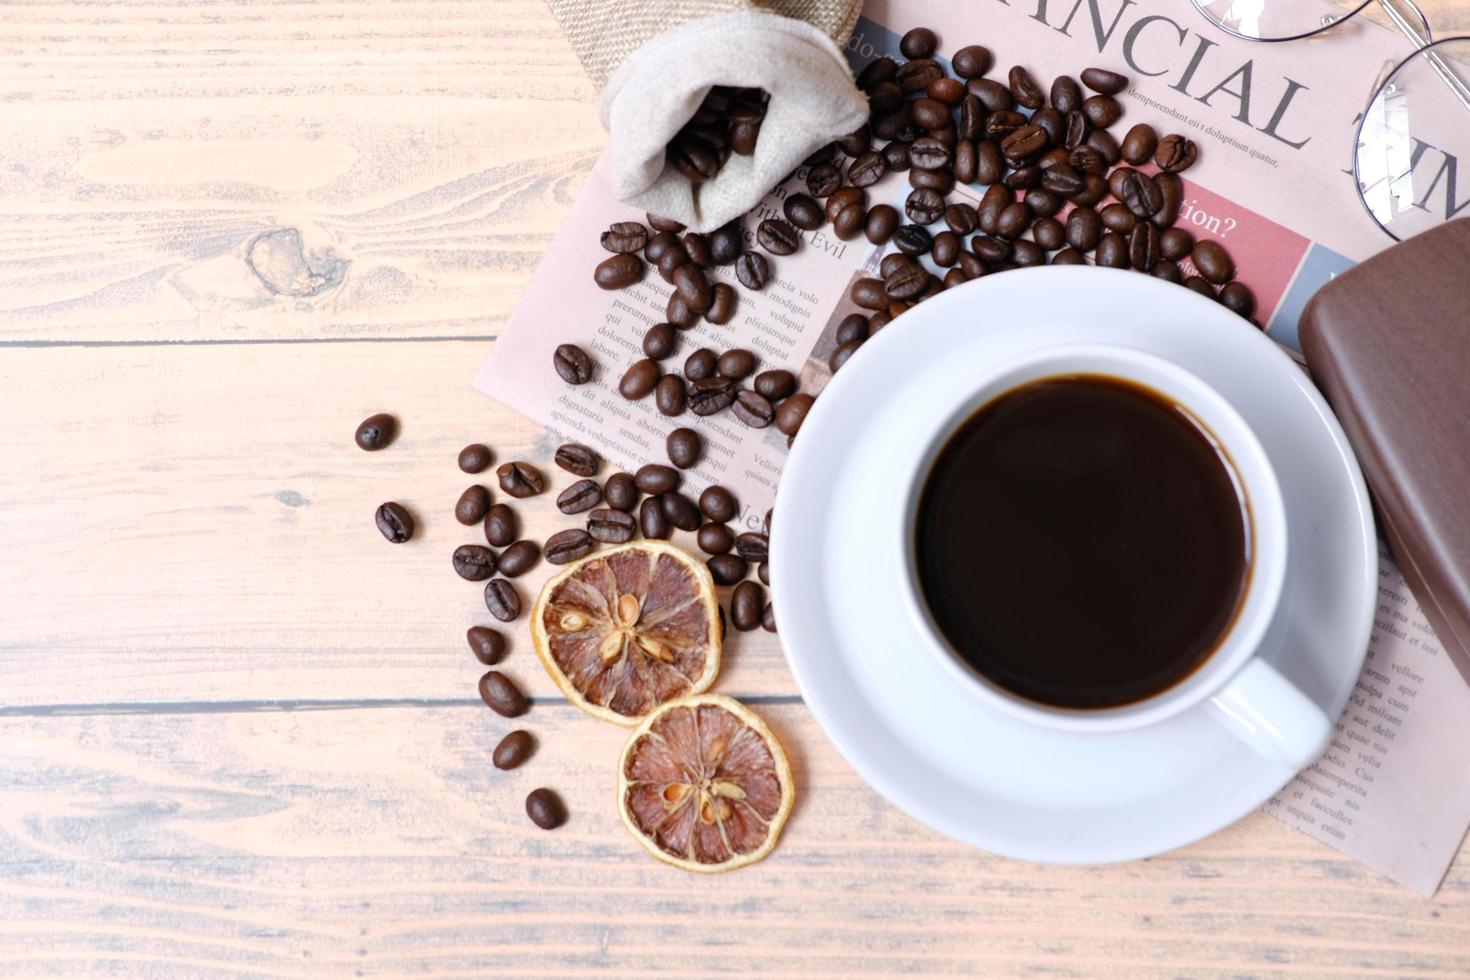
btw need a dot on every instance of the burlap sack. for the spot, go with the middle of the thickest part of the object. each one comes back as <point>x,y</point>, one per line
<point>656,59</point>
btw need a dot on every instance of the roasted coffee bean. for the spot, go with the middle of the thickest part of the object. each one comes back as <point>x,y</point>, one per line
<point>1141,194</point>
<point>752,270</point>
<point>823,180</point>
<point>924,206</point>
<point>727,569</point>
<point>840,200</point>
<point>884,97</point>
<point>856,142</point>
<point>1024,88</point>
<point>618,271</point>
<point>747,603</point>
<point>777,383</point>
<point>472,505</point>
<point>1085,160</point>
<point>1168,270</point>
<point>694,286</point>
<point>375,432</point>
<point>1103,142</point>
<point>971,61</point>
<point>892,262</point>
<point>710,395</point>
<point>520,479</point>
<point>736,363</point>
<point>918,74</point>
<point>868,293</point>
<point>854,326</point>
<point>577,459</point>
<point>1053,123</point>
<point>867,170</point>
<point>715,539</point>
<point>754,409</point>
<point>1049,233</point>
<point>700,364</point>
<point>990,249</point>
<point>670,396</point>
<point>660,341</point>
<point>474,562</point>
<point>394,520</point>
<point>579,497</point>
<point>1014,220</point>
<point>849,222</point>
<point>971,265</point>
<point>1175,243</point>
<point>939,181</point>
<point>501,695</point>
<point>722,305</point>
<point>718,504</point>
<point>999,125</point>
<point>946,250</point>
<point>1117,217</point>
<point>502,599</point>
<point>697,248</point>
<point>928,153</point>
<point>639,379</point>
<point>672,260</point>
<point>1171,196</point>
<point>680,511</point>
<point>573,365</point>
<point>1175,153</point>
<point>1104,81</point>
<point>995,200</point>
<point>656,478</point>
<point>500,525</point>
<point>651,519</point>
<point>1084,229</point>
<point>972,119</point>
<point>1025,253</point>
<point>1139,144</point>
<point>625,236</point>
<point>961,218</point>
<point>513,750</point>
<point>882,222</point>
<point>727,242</point>
<point>1199,285</point>
<point>882,69</point>
<point>567,546</point>
<point>842,352</point>
<point>486,644</point>
<point>1069,256</point>
<point>1063,179</point>
<point>693,157</point>
<point>1237,298</point>
<point>546,809</point>
<point>1023,145</point>
<point>906,282</point>
<point>768,617</point>
<point>684,447</point>
<point>1042,202</point>
<point>930,114</point>
<point>752,545</point>
<point>611,526</point>
<point>1117,179</point>
<point>918,43</point>
<point>777,236</point>
<point>1213,262</point>
<point>659,244</point>
<point>913,239</point>
<point>1095,191</point>
<point>1112,251</point>
<point>803,212</point>
<point>791,413</point>
<point>1102,110</point>
<point>678,313</point>
<point>621,492</point>
<point>519,558</point>
<point>896,156</point>
<point>989,164</point>
<point>994,96</point>
<point>474,458</point>
<point>1079,127</point>
<point>1057,156</point>
<point>1143,246</point>
<point>1066,96</point>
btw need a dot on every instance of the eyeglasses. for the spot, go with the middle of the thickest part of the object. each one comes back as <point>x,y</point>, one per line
<point>1416,128</point>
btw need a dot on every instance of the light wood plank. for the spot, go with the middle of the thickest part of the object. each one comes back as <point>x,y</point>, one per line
<point>196,523</point>
<point>382,841</point>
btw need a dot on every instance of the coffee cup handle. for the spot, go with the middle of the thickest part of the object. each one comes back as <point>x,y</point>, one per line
<point>1267,712</point>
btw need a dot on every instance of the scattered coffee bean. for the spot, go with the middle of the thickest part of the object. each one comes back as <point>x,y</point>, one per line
<point>579,497</point>
<point>752,546</point>
<point>670,395</point>
<point>1112,251</point>
<point>486,644</point>
<point>1139,144</point>
<point>501,695</point>
<point>866,170</point>
<point>656,478</point>
<point>727,242</point>
<point>620,492</point>
<point>913,240</point>
<point>660,341</point>
<point>502,599</point>
<point>715,539</point>
<point>693,286</point>
<point>752,270</point>
<point>611,526</point>
<point>520,479</point>
<point>472,505</point>
<point>546,809</point>
<point>737,363</point>
<point>1201,286</point>
<point>777,237</point>
<point>513,750</point>
<point>1103,81</point>
<point>747,603</point>
<point>722,305</point>
<point>680,511</point>
<point>567,546</point>
<point>573,365</point>
<point>792,412</point>
<point>924,206</point>
<point>625,236</point>
<point>841,353</point>
<point>474,458</point>
<point>395,522</point>
<point>763,572</point>
<point>1175,243</point>
<point>619,271</point>
<point>920,42</point>
<point>882,222</point>
<point>710,395</point>
<point>753,409</point>
<point>844,198</point>
<point>500,525</point>
<point>577,459</point>
<point>662,224</point>
<point>518,558</point>
<point>1175,153</point>
<point>803,212</point>
<point>376,432</point>
<point>1143,246</point>
<point>696,246</point>
<point>718,504</point>
<point>474,562</point>
<point>727,569</point>
<point>971,61</point>
<point>1213,262</point>
<point>1236,297</point>
<point>651,519</point>
<point>777,383</point>
<point>1142,195</point>
<point>854,326</point>
<point>768,617</point>
<point>639,379</point>
<point>684,447</point>
<point>700,365</point>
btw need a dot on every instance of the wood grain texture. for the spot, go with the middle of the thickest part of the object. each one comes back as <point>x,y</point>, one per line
<point>238,730</point>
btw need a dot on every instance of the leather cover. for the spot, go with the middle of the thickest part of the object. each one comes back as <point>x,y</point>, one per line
<point>1389,344</point>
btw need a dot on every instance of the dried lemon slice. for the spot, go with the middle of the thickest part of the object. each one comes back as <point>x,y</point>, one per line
<point>626,630</point>
<point>704,785</point>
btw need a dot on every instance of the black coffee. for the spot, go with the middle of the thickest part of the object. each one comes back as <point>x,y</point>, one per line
<point>1081,542</point>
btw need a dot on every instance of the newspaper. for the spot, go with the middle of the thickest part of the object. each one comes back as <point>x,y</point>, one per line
<point>1275,126</point>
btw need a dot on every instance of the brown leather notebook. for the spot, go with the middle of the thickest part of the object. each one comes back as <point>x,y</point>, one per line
<point>1388,342</point>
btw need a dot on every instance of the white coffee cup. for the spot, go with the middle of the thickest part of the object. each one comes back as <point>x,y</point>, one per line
<point>1242,691</point>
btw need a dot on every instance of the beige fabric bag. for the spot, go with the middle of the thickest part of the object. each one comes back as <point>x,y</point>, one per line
<point>656,59</point>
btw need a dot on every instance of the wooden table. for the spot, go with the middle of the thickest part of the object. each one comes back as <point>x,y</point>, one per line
<point>239,733</point>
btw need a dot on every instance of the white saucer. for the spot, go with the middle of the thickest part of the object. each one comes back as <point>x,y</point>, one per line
<point>933,748</point>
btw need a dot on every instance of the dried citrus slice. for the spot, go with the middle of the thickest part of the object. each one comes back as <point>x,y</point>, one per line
<point>704,785</point>
<point>626,630</point>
